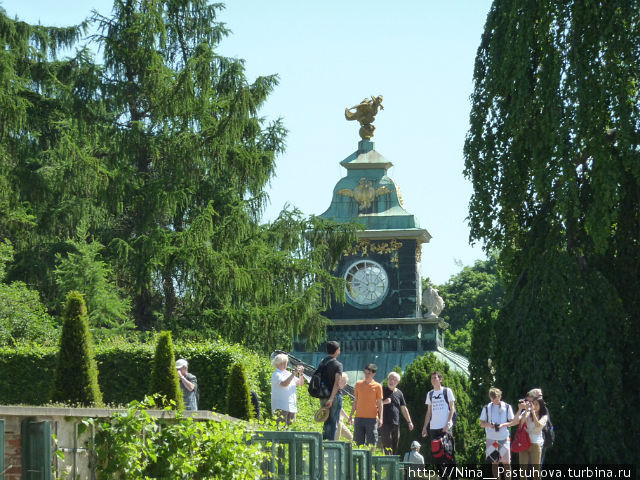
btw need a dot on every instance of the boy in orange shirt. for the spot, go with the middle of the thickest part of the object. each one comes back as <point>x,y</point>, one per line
<point>367,405</point>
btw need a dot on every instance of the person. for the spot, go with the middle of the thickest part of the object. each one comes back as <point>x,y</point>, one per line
<point>495,418</point>
<point>343,430</point>
<point>367,405</point>
<point>188,385</point>
<point>414,456</point>
<point>535,393</point>
<point>331,374</point>
<point>393,403</point>
<point>534,415</point>
<point>283,389</point>
<point>438,420</point>
<point>255,402</point>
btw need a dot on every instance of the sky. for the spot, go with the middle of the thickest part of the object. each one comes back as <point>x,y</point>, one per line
<point>418,54</point>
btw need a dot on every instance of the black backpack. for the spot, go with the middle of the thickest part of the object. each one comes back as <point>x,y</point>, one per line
<point>446,399</point>
<point>548,433</point>
<point>317,387</point>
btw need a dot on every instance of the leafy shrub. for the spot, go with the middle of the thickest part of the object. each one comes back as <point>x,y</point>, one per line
<point>124,366</point>
<point>164,376</point>
<point>415,384</point>
<point>23,319</point>
<point>134,446</point>
<point>76,375</point>
<point>238,394</point>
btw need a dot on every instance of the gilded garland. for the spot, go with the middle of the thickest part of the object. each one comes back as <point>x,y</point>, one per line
<point>363,247</point>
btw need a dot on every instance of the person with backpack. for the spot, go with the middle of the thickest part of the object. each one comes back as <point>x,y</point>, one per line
<point>495,418</point>
<point>439,421</point>
<point>188,385</point>
<point>325,385</point>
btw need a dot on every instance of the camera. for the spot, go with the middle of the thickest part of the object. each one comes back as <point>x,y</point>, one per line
<point>496,426</point>
<point>522,400</point>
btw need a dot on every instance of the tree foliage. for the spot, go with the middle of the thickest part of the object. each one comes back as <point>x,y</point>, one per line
<point>465,295</point>
<point>160,155</point>
<point>76,376</point>
<point>238,394</point>
<point>83,270</point>
<point>553,154</point>
<point>23,318</point>
<point>164,376</point>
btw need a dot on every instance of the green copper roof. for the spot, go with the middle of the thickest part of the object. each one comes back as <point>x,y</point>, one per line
<point>368,196</point>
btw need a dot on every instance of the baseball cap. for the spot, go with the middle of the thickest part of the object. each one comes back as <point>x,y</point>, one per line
<point>181,363</point>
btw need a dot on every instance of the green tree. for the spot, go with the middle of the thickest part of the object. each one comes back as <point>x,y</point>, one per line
<point>553,154</point>
<point>23,318</point>
<point>164,376</point>
<point>83,270</point>
<point>76,376</point>
<point>415,384</point>
<point>161,155</point>
<point>472,288</point>
<point>238,394</point>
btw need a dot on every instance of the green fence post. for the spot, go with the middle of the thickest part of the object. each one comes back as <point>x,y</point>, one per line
<point>1,448</point>
<point>386,467</point>
<point>361,465</point>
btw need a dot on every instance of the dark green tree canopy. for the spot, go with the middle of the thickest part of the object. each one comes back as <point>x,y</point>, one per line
<point>159,155</point>
<point>553,152</point>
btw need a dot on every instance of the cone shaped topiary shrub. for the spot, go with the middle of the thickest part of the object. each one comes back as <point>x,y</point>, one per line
<point>238,394</point>
<point>164,376</point>
<point>76,375</point>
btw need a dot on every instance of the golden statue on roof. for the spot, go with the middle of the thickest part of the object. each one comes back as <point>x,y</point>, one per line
<point>365,113</point>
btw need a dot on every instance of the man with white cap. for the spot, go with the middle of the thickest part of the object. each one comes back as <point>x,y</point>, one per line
<point>414,455</point>
<point>188,384</point>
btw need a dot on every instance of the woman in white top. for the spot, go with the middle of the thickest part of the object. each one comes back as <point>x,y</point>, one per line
<point>283,389</point>
<point>534,413</point>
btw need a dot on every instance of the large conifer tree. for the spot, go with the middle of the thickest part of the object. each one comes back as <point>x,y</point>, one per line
<point>160,155</point>
<point>553,152</point>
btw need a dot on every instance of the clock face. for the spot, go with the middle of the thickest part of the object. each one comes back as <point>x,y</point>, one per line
<point>367,283</point>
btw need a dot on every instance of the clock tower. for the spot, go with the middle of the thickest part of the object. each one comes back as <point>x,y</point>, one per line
<point>381,321</point>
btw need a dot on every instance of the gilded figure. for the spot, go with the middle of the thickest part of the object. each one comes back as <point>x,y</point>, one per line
<point>365,113</point>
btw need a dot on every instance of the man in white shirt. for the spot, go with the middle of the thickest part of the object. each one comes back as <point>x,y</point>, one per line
<point>495,418</point>
<point>439,420</point>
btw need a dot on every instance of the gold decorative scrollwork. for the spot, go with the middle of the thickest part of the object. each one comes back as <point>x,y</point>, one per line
<point>363,247</point>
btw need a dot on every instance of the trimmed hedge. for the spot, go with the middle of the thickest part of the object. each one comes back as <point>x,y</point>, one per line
<point>76,377</point>
<point>164,376</point>
<point>26,372</point>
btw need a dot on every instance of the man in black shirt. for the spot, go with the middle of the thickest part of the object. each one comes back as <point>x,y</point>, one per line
<point>393,403</point>
<point>331,373</point>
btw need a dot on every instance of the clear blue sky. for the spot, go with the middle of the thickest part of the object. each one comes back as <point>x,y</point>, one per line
<point>418,54</point>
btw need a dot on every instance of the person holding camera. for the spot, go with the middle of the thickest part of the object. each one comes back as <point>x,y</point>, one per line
<point>188,385</point>
<point>495,418</point>
<point>534,414</point>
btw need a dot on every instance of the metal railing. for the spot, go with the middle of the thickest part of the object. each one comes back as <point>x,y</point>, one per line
<point>304,456</point>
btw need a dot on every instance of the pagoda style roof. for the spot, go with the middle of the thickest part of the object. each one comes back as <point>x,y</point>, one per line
<point>368,196</point>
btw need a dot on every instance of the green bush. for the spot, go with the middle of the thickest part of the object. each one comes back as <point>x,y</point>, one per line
<point>135,446</point>
<point>76,375</point>
<point>239,394</point>
<point>164,376</point>
<point>415,384</point>
<point>23,318</point>
<point>124,366</point>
